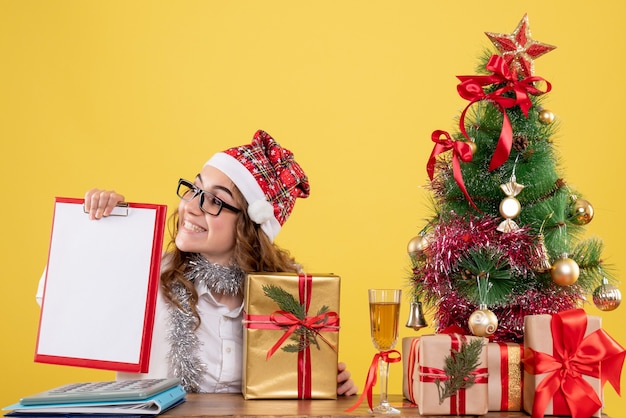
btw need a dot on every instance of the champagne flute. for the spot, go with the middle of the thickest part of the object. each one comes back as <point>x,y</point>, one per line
<point>384,316</point>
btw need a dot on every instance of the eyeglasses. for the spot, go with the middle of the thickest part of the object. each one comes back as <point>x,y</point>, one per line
<point>209,203</point>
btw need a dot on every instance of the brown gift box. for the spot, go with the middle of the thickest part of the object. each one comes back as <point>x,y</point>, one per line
<point>409,366</point>
<point>538,336</point>
<point>424,356</point>
<point>306,374</point>
<point>504,361</point>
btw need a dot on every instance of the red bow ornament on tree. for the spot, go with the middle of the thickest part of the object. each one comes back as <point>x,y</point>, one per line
<point>461,150</point>
<point>472,88</point>
<point>574,355</point>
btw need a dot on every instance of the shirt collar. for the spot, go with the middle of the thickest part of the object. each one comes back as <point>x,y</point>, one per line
<point>205,294</point>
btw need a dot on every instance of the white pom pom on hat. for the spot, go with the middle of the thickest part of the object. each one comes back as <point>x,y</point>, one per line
<point>268,177</point>
<point>260,211</point>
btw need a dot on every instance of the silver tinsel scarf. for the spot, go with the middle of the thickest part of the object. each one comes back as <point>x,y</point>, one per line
<point>184,343</point>
<point>226,280</point>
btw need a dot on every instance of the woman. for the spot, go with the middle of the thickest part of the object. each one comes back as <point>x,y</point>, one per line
<point>225,225</point>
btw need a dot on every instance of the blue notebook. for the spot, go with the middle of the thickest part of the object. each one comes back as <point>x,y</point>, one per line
<point>153,405</point>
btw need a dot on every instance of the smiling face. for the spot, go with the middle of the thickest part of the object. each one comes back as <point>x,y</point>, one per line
<point>199,232</point>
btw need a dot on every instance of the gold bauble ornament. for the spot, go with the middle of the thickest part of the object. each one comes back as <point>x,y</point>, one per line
<point>565,271</point>
<point>510,207</point>
<point>582,212</point>
<point>483,322</point>
<point>607,297</point>
<point>546,117</point>
<point>417,245</point>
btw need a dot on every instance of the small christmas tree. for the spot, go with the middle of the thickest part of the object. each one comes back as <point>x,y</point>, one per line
<point>505,240</point>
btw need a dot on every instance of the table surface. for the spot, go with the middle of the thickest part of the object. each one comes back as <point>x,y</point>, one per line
<point>234,405</point>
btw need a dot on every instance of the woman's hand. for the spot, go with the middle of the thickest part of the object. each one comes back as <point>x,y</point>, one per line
<point>99,203</point>
<point>345,385</point>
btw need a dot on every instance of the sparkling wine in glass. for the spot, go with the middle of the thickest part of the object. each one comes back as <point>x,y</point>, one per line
<point>384,317</point>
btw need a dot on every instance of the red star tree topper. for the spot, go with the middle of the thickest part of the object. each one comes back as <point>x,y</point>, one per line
<point>519,49</point>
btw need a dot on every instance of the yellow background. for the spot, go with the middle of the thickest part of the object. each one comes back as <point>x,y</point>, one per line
<point>132,95</point>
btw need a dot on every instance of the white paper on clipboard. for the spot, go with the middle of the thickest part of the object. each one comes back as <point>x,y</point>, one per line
<point>100,289</point>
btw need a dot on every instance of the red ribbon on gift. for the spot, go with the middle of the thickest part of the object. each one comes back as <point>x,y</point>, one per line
<point>279,320</point>
<point>597,355</point>
<point>433,374</point>
<point>457,401</point>
<point>411,362</point>
<point>453,329</point>
<point>321,322</point>
<point>461,150</point>
<point>370,380</point>
<point>510,369</point>
<point>471,88</point>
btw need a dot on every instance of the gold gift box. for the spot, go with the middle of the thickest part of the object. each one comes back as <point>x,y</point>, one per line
<point>270,372</point>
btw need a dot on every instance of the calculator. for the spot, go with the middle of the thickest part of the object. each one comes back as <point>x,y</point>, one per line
<point>116,390</point>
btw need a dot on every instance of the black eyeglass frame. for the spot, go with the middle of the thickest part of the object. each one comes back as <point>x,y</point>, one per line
<point>203,193</point>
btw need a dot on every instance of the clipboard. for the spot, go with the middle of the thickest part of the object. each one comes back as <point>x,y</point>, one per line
<point>101,286</point>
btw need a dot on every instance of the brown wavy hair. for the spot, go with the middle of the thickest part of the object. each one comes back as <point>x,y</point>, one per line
<point>254,252</point>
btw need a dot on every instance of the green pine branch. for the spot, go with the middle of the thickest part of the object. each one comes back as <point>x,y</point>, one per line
<point>485,263</point>
<point>458,368</point>
<point>285,300</point>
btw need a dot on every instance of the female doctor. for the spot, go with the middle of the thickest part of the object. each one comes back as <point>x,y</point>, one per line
<point>225,225</point>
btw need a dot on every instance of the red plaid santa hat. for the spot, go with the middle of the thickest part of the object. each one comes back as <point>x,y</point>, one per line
<point>268,177</point>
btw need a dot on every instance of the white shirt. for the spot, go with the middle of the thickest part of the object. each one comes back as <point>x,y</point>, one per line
<point>221,343</point>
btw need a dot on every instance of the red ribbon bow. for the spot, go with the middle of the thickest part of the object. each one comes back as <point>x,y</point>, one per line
<point>574,355</point>
<point>370,381</point>
<point>461,150</point>
<point>313,323</point>
<point>471,88</point>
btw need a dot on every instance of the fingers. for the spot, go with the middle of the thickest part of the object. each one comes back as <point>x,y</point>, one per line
<point>345,385</point>
<point>347,388</point>
<point>341,366</point>
<point>100,203</point>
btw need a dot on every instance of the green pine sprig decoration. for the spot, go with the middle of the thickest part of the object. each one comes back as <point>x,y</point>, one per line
<point>485,263</point>
<point>458,367</point>
<point>288,303</point>
<point>285,300</point>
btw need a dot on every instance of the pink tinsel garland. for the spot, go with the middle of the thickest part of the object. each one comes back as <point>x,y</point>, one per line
<point>451,239</point>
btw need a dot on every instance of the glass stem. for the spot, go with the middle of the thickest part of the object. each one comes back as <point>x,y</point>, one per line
<point>383,368</point>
